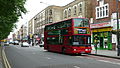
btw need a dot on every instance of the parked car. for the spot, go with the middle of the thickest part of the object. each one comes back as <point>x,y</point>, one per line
<point>41,44</point>
<point>24,44</point>
<point>6,44</point>
<point>16,43</point>
<point>10,42</point>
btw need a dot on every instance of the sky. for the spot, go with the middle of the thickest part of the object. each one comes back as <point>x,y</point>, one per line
<point>34,6</point>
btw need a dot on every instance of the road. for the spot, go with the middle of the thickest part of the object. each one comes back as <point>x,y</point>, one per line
<point>36,57</point>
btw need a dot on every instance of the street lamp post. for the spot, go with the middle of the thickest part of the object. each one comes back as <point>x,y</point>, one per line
<point>118,43</point>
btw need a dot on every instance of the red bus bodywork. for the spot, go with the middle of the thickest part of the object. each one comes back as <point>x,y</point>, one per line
<point>71,39</point>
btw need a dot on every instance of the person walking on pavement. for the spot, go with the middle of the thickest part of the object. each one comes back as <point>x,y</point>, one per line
<point>118,51</point>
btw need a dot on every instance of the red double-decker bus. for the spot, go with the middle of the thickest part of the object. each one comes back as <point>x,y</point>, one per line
<point>68,36</point>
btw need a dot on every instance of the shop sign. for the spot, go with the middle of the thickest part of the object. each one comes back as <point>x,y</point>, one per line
<point>102,30</point>
<point>99,25</point>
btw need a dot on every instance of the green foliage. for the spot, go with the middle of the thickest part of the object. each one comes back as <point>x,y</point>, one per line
<point>10,11</point>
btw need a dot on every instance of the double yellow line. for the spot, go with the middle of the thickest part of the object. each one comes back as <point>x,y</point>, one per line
<point>5,60</point>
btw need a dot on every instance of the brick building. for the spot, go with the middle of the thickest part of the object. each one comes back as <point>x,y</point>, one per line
<point>104,22</point>
<point>78,8</point>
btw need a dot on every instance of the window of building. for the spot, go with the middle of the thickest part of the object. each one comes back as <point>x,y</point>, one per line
<point>41,16</point>
<point>50,12</point>
<point>75,10</point>
<point>102,11</point>
<point>65,14</point>
<point>69,12</point>
<point>106,10</point>
<point>97,12</point>
<point>80,7</point>
<point>50,19</point>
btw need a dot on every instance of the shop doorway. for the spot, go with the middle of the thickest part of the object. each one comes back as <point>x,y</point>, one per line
<point>101,42</point>
<point>105,43</point>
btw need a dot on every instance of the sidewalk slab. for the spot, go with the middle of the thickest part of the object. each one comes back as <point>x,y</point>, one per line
<point>106,53</point>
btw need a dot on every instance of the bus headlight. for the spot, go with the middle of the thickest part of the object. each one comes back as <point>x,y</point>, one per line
<point>87,49</point>
<point>75,49</point>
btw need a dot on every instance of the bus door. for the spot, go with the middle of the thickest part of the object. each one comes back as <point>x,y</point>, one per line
<point>66,40</point>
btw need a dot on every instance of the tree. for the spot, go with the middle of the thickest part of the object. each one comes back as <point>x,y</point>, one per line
<point>10,11</point>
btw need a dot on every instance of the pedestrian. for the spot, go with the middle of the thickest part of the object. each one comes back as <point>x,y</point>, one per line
<point>105,44</point>
<point>32,43</point>
<point>118,51</point>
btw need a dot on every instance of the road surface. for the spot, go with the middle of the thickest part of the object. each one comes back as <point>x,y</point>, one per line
<point>36,57</point>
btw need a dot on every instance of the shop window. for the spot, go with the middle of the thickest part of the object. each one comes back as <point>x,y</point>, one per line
<point>105,34</point>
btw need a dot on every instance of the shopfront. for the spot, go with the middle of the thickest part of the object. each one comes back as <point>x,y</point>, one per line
<point>102,36</point>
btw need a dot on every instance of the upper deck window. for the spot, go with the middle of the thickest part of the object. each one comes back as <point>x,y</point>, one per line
<point>81,22</point>
<point>59,25</point>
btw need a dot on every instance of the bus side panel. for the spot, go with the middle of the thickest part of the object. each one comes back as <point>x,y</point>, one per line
<point>79,50</point>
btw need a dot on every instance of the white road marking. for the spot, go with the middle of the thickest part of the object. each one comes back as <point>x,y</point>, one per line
<point>109,62</point>
<point>76,67</point>
<point>48,57</point>
<point>5,60</point>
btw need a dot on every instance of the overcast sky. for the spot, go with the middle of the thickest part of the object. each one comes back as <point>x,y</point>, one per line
<point>34,6</point>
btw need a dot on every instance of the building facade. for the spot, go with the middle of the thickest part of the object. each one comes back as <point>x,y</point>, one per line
<point>78,8</point>
<point>48,15</point>
<point>18,35</point>
<point>30,27</point>
<point>51,14</point>
<point>104,22</point>
<point>23,31</point>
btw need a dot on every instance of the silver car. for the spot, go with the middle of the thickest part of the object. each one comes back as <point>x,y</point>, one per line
<point>24,44</point>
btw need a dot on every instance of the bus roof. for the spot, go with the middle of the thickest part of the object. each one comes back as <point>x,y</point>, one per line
<point>65,20</point>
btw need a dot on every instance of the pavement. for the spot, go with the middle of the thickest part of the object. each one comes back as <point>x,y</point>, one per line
<point>106,53</point>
